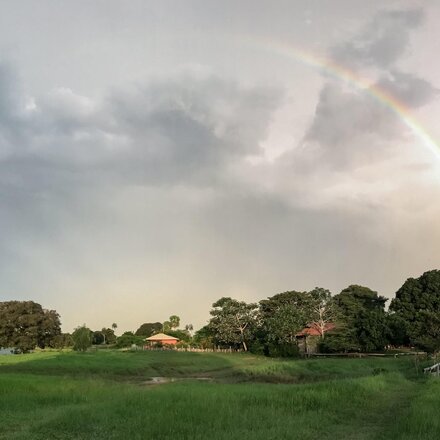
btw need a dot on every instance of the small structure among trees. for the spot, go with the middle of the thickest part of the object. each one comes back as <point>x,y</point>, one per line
<point>309,337</point>
<point>161,339</point>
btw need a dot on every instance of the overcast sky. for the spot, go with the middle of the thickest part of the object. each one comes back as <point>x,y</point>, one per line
<point>157,155</point>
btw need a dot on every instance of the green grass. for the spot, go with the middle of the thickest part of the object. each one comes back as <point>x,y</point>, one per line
<point>101,396</point>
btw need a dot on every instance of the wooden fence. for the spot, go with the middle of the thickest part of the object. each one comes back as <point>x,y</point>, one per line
<point>435,370</point>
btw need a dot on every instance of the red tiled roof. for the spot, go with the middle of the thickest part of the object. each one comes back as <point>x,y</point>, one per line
<point>313,329</point>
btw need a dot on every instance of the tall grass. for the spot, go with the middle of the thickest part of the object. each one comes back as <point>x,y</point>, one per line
<point>331,398</point>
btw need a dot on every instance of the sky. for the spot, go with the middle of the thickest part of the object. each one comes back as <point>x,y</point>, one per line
<point>156,156</point>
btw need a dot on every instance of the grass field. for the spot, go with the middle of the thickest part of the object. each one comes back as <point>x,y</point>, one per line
<point>103,395</point>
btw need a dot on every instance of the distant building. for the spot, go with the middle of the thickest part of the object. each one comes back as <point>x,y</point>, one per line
<point>161,339</point>
<point>310,336</point>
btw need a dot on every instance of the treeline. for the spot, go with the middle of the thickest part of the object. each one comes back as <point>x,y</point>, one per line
<point>83,337</point>
<point>354,320</point>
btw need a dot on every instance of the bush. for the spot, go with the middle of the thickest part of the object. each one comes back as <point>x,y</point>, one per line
<point>82,338</point>
<point>281,350</point>
<point>128,339</point>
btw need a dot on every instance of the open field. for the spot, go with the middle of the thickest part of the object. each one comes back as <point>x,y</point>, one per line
<point>103,395</point>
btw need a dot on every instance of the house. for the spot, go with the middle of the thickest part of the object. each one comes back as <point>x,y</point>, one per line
<point>161,339</point>
<point>309,337</point>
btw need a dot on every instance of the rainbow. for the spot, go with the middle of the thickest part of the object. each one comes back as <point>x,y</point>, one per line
<point>355,80</point>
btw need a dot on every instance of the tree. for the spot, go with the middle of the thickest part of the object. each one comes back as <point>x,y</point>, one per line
<point>109,335</point>
<point>149,329</point>
<point>98,337</point>
<point>128,339</point>
<point>182,335</point>
<point>372,332</point>
<point>362,325</point>
<point>114,326</point>
<point>354,299</point>
<point>323,309</point>
<point>25,325</point>
<point>233,321</point>
<point>172,323</point>
<point>63,340</point>
<point>417,308</point>
<point>204,337</point>
<point>284,315</point>
<point>82,338</point>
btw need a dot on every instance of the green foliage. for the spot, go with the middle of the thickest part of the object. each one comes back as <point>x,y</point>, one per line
<point>174,321</point>
<point>97,338</point>
<point>25,325</point>
<point>63,340</point>
<point>284,315</point>
<point>417,307</point>
<point>398,330</point>
<point>371,330</point>
<point>339,341</point>
<point>204,338</point>
<point>82,338</point>
<point>426,331</point>
<point>149,329</point>
<point>355,299</point>
<point>282,350</point>
<point>182,335</point>
<point>128,339</point>
<point>233,322</point>
<point>109,335</point>
<point>362,323</point>
<point>172,324</point>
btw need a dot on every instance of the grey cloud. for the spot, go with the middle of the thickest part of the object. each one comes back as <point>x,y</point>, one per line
<point>349,128</point>
<point>382,42</point>
<point>408,88</point>
<point>13,124</point>
<point>191,128</point>
<point>75,155</point>
<point>165,132</point>
<point>353,127</point>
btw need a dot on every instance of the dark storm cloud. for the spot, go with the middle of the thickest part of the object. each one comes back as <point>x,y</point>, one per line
<point>167,132</point>
<point>68,156</point>
<point>189,129</point>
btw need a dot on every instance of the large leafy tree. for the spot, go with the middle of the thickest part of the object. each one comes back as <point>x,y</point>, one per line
<point>416,308</point>
<point>149,329</point>
<point>284,315</point>
<point>233,322</point>
<point>26,325</point>
<point>362,320</point>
